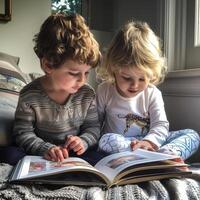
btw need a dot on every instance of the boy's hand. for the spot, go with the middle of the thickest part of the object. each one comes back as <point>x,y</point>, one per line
<point>76,144</point>
<point>143,144</point>
<point>56,153</point>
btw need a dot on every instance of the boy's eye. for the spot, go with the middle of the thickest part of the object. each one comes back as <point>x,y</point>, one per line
<point>86,73</point>
<point>77,73</point>
<point>73,73</point>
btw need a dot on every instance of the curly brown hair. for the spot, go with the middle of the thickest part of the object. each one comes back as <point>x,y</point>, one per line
<point>66,36</point>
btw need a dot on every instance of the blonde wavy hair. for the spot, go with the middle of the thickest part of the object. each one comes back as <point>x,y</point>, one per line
<point>66,36</point>
<point>135,45</point>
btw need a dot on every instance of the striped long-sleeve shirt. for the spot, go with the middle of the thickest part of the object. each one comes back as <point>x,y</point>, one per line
<point>41,123</point>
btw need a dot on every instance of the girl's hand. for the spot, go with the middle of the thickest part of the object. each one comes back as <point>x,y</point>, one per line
<point>56,153</point>
<point>143,144</point>
<point>76,144</point>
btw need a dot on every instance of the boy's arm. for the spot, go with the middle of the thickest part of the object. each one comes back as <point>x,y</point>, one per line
<point>23,130</point>
<point>101,103</point>
<point>90,129</point>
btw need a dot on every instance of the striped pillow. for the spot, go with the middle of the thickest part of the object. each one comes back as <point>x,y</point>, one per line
<point>8,69</point>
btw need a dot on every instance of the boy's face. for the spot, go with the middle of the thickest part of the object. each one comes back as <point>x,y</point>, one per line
<point>130,81</point>
<point>69,77</point>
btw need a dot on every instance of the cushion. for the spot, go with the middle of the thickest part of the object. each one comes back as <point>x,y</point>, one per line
<point>13,60</point>
<point>8,103</point>
<point>11,82</point>
<point>9,66</point>
<point>8,69</point>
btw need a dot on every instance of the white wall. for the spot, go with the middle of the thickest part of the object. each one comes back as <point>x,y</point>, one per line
<point>16,36</point>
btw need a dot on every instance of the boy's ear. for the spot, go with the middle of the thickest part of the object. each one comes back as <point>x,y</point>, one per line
<point>46,66</point>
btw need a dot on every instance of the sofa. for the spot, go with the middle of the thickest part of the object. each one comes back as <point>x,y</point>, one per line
<point>181,94</point>
<point>12,79</point>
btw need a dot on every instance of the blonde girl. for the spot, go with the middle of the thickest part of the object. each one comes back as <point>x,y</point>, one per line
<point>130,106</point>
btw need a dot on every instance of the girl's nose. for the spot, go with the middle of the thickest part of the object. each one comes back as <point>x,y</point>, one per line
<point>134,83</point>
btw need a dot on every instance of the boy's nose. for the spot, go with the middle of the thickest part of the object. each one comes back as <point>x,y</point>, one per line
<point>82,79</point>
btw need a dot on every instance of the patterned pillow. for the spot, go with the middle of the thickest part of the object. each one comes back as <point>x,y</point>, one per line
<point>13,60</point>
<point>9,70</point>
<point>9,66</point>
<point>11,82</point>
<point>8,103</point>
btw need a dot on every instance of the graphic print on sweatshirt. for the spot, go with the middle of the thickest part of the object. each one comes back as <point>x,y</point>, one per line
<point>133,119</point>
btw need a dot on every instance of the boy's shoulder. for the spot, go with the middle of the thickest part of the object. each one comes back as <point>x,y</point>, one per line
<point>33,86</point>
<point>86,91</point>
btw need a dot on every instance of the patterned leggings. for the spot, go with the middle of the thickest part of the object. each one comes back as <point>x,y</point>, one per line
<point>182,143</point>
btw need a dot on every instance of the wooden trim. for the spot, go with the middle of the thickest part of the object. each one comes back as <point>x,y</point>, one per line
<point>180,34</point>
<point>169,31</point>
<point>182,83</point>
<point>6,16</point>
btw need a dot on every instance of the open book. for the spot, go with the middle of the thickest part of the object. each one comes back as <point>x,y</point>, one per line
<point>116,169</point>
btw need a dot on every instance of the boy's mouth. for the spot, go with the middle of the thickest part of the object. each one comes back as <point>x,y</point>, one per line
<point>76,87</point>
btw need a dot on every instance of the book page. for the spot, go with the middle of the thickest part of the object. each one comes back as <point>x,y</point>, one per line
<point>150,177</point>
<point>113,164</point>
<point>36,166</point>
<point>151,166</point>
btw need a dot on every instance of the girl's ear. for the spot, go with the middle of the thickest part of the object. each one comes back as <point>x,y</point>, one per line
<point>45,66</point>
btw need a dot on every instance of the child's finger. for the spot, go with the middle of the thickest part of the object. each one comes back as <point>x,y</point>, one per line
<point>81,151</point>
<point>59,155</point>
<point>134,143</point>
<point>68,142</point>
<point>47,156</point>
<point>52,154</point>
<point>74,144</point>
<point>77,148</point>
<point>134,147</point>
<point>65,153</point>
<point>151,149</point>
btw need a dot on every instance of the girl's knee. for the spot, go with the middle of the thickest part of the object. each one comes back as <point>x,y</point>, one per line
<point>192,133</point>
<point>113,143</point>
<point>109,135</point>
<point>186,133</point>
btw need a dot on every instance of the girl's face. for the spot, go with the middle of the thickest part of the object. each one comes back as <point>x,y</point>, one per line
<point>130,81</point>
<point>69,77</point>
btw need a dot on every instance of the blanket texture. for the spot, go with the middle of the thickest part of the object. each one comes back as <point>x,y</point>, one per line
<point>174,189</point>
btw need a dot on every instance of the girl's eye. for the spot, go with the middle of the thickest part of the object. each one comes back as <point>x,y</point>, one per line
<point>141,79</point>
<point>126,78</point>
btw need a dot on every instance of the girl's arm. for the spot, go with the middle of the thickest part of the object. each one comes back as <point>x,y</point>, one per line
<point>159,125</point>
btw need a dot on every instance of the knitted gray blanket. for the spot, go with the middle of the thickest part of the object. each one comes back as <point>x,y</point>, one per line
<point>174,189</point>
